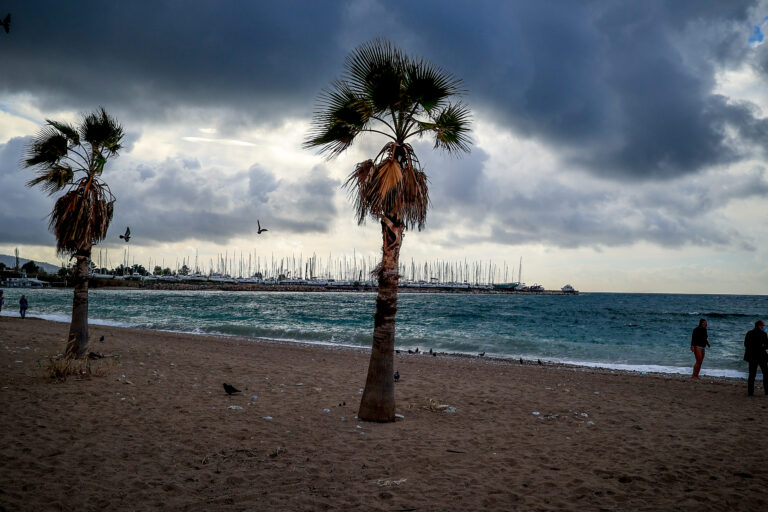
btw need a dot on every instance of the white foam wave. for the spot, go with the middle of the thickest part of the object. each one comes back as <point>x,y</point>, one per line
<point>654,368</point>
<point>66,319</point>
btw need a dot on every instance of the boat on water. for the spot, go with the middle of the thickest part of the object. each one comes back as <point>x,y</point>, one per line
<point>509,286</point>
<point>568,289</point>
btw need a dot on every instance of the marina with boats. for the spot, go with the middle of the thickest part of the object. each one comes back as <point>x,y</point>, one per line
<point>317,274</point>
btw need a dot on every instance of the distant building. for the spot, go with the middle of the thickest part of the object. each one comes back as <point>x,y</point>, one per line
<point>25,282</point>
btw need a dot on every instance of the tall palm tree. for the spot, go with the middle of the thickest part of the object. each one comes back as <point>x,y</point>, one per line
<point>71,157</point>
<point>386,92</point>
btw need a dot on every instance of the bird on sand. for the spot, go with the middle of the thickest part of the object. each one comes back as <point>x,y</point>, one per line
<point>539,361</point>
<point>6,23</point>
<point>481,354</point>
<point>521,360</point>
<point>260,230</point>
<point>397,375</point>
<point>230,389</point>
<point>101,339</point>
<point>127,235</point>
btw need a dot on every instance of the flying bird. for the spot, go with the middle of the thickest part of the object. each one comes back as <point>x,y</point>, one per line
<point>397,375</point>
<point>6,23</point>
<point>230,389</point>
<point>127,235</point>
<point>261,230</point>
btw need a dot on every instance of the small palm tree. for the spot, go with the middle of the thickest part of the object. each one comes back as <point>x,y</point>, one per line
<point>384,91</point>
<point>73,158</point>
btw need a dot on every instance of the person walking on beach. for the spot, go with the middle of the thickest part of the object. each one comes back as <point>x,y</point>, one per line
<point>755,345</point>
<point>23,305</point>
<point>699,342</point>
<point>2,300</point>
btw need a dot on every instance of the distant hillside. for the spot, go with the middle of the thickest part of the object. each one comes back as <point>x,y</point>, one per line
<point>10,262</point>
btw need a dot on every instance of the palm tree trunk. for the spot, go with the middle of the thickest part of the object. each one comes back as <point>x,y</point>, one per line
<point>378,402</point>
<point>77,344</point>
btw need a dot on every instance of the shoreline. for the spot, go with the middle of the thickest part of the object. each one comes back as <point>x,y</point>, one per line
<point>157,431</point>
<point>597,366</point>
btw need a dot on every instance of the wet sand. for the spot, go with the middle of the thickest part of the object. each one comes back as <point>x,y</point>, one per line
<point>157,432</point>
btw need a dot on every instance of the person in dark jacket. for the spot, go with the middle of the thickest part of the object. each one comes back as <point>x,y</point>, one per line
<point>755,345</point>
<point>23,305</point>
<point>699,342</point>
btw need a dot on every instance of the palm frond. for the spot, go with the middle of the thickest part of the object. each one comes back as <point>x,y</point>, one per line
<point>356,185</point>
<point>429,86</point>
<point>47,148</point>
<point>341,118</point>
<point>392,186</point>
<point>66,129</point>
<point>389,174</point>
<point>376,70</point>
<point>102,131</point>
<point>81,216</point>
<point>451,127</point>
<point>53,179</point>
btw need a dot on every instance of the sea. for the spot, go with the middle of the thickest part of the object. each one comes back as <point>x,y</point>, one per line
<point>627,331</point>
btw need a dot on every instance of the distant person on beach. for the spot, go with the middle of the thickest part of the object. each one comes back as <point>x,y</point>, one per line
<point>1,301</point>
<point>755,345</point>
<point>23,305</point>
<point>699,343</point>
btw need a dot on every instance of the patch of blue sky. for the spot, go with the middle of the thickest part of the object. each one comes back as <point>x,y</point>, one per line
<point>757,34</point>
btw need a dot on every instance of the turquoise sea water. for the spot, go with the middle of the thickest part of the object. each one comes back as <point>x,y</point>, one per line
<point>645,332</point>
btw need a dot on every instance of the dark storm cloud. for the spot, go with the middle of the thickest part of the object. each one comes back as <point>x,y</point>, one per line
<point>622,91</point>
<point>620,87</point>
<point>624,88</point>
<point>23,212</point>
<point>144,59</point>
<point>174,200</point>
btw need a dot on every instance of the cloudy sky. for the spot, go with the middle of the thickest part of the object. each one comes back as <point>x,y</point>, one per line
<point>617,146</point>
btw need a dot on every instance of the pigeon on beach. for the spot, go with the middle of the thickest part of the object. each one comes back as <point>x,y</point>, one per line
<point>127,235</point>
<point>230,389</point>
<point>101,339</point>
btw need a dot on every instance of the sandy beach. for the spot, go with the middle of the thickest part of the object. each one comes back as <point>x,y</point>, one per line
<point>157,432</point>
